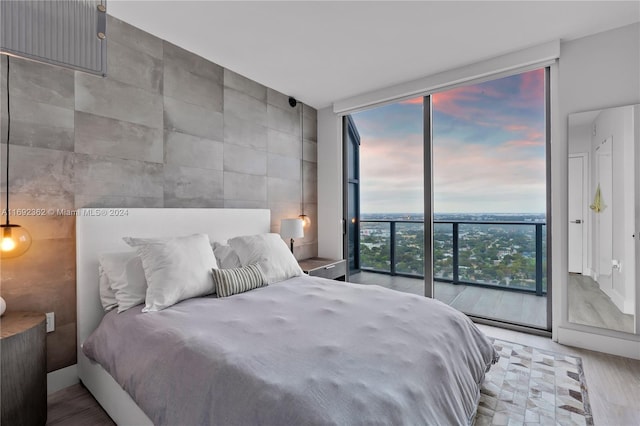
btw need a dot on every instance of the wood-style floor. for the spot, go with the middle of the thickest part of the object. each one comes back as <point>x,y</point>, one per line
<point>515,307</point>
<point>74,406</point>
<point>613,383</point>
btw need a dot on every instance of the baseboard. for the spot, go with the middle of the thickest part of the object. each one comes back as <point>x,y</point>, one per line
<point>62,378</point>
<point>600,343</point>
<point>629,307</point>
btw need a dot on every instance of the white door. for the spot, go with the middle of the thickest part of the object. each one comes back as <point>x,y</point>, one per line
<point>576,210</point>
<point>604,218</point>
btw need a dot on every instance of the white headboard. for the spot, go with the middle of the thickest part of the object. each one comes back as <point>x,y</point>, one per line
<point>101,230</point>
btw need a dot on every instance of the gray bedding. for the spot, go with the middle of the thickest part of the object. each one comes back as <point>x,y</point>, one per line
<point>306,351</point>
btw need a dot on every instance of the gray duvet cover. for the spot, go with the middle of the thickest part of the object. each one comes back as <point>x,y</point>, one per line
<point>306,351</point>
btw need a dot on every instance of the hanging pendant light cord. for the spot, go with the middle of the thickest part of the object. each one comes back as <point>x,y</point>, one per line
<point>8,136</point>
<point>302,158</point>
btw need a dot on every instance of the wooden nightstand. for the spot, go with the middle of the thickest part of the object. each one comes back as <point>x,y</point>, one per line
<point>24,369</point>
<point>326,268</point>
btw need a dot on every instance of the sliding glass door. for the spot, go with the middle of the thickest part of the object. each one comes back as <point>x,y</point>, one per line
<point>490,198</point>
<point>484,147</point>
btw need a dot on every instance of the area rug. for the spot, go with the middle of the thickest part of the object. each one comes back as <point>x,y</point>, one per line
<point>530,386</point>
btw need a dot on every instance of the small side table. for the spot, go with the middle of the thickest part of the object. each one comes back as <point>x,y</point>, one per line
<point>24,369</point>
<point>326,268</point>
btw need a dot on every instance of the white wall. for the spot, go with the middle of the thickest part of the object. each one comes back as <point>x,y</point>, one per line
<point>579,139</point>
<point>329,184</point>
<point>594,72</point>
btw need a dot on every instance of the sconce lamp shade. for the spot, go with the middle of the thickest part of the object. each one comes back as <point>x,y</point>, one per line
<point>16,240</point>
<point>291,228</point>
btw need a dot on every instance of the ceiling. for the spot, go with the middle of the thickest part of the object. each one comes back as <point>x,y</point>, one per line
<point>325,51</point>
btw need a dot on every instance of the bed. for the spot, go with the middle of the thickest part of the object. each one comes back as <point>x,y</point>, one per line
<point>302,351</point>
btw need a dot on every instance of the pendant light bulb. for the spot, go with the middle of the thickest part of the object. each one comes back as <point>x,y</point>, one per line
<point>8,244</point>
<point>306,221</point>
<point>16,240</point>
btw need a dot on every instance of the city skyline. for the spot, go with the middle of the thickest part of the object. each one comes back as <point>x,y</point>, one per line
<point>488,150</point>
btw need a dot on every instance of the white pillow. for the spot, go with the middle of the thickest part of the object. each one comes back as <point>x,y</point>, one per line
<point>126,278</point>
<point>175,268</point>
<point>226,257</point>
<point>270,252</point>
<point>107,294</point>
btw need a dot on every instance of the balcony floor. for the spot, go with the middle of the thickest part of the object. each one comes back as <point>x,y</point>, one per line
<point>515,307</point>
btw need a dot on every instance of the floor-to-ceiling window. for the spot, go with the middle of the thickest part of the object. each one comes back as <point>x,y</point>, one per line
<point>490,198</point>
<point>391,188</point>
<point>351,137</point>
<point>488,151</point>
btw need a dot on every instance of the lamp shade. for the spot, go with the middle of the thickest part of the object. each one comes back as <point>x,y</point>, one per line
<point>291,228</point>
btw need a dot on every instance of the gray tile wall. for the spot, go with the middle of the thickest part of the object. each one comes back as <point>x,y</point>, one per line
<point>165,128</point>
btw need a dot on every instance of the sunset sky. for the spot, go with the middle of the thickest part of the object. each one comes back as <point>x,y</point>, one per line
<point>488,144</point>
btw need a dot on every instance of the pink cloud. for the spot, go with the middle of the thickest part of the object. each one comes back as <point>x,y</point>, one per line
<point>389,163</point>
<point>509,176</point>
<point>531,89</point>
<point>414,101</point>
<point>470,102</point>
<point>535,135</point>
<point>523,143</point>
<point>506,174</point>
<point>457,101</point>
<point>532,85</point>
<point>388,155</point>
<point>466,176</point>
<point>449,104</point>
<point>516,127</point>
<point>528,132</point>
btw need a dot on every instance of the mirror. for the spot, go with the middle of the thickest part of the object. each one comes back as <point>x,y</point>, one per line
<point>601,289</point>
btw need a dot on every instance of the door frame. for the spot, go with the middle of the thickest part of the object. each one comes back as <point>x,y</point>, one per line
<point>428,213</point>
<point>348,126</point>
<point>427,150</point>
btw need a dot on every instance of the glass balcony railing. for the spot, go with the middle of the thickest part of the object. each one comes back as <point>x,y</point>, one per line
<point>505,255</point>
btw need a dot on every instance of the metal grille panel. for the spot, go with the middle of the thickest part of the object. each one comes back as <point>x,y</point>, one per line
<point>58,32</point>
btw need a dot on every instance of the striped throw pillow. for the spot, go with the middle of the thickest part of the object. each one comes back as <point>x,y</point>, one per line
<point>237,280</point>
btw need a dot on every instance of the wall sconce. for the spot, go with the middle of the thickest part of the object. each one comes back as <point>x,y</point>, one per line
<point>16,240</point>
